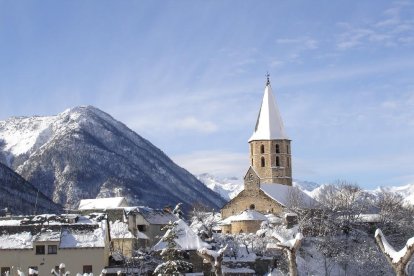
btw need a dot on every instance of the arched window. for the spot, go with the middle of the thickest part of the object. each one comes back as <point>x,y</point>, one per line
<point>252,207</point>
<point>262,149</point>
<point>277,148</point>
<point>277,161</point>
<point>262,162</point>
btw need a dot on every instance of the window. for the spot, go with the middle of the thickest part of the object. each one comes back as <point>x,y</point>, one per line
<point>277,148</point>
<point>263,163</point>
<point>287,162</point>
<point>251,207</point>
<point>287,148</point>
<point>142,228</point>
<point>87,269</point>
<point>3,270</point>
<point>40,250</point>
<point>52,249</point>
<point>277,161</point>
<point>262,149</point>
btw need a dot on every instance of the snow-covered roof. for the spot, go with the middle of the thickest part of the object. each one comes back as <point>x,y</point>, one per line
<point>269,124</point>
<point>245,215</point>
<point>48,235</point>
<point>21,240</point>
<point>286,195</point>
<point>102,203</point>
<point>82,238</point>
<point>156,216</point>
<point>187,239</point>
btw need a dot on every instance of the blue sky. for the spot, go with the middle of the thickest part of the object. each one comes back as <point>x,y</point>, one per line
<point>189,76</point>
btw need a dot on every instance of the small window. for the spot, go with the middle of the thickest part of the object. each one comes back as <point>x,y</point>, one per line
<point>52,249</point>
<point>40,250</point>
<point>277,148</point>
<point>87,269</point>
<point>288,162</point>
<point>252,207</point>
<point>263,163</point>
<point>142,228</point>
<point>3,270</point>
<point>262,149</point>
<point>277,161</point>
<point>287,148</point>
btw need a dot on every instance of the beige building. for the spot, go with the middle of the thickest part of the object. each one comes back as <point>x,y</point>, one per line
<point>83,247</point>
<point>268,181</point>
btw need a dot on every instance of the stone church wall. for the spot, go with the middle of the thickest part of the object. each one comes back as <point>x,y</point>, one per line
<point>251,199</point>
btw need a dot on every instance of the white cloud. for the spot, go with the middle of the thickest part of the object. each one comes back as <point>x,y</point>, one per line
<point>194,124</point>
<point>220,163</point>
<point>389,31</point>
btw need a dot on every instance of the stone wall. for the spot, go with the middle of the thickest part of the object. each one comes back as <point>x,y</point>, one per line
<point>251,199</point>
<point>245,226</point>
<point>272,172</point>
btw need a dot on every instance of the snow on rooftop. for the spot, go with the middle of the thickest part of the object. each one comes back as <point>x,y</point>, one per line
<point>269,123</point>
<point>187,239</point>
<point>21,240</point>
<point>48,235</point>
<point>156,216</point>
<point>119,230</point>
<point>82,238</point>
<point>287,195</point>
<point>102,203</point>
<point>245,215</point>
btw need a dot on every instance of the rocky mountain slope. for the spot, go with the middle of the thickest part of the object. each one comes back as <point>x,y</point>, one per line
<point>85,153</point>
<point>19,196</point>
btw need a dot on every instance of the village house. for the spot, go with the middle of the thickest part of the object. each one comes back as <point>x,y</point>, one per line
<point>42,242</point>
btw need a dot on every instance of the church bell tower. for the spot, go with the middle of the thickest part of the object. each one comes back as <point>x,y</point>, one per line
<point>270,152</point>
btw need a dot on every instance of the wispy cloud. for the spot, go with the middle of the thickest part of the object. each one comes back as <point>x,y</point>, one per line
<point>389,31</point>
<point>217,162</point>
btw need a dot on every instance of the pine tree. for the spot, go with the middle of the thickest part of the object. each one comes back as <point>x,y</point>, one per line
<point>173,264</point>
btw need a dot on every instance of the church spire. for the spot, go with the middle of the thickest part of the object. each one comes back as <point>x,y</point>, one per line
<point>269,124</point>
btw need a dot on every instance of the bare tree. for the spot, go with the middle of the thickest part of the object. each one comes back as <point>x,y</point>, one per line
<point>290,247</point>
<point>398,260</point>
<point>215,258</point>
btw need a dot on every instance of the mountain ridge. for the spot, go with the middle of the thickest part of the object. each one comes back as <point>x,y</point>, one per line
<point>84,152</point>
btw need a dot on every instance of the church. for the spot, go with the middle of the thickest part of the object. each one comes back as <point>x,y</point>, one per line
<point>268,181</point>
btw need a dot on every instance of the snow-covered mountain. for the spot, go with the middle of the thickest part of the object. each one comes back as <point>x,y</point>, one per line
<point>406,191</point>
<point>21,197</point>
<point>227,187</point>
<point>85,153</point>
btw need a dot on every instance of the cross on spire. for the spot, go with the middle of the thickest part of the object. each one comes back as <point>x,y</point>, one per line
<point>268,79</point>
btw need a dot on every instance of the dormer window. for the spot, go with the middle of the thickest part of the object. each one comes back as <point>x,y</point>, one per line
<point>262,149</point>
<point>277,148</point>
<point>262,163</point>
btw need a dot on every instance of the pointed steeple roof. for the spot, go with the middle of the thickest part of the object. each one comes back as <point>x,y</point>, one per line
<point>269,125</point>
